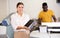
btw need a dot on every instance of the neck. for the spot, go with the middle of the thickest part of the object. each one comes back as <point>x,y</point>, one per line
<point>45,10</point>
<point>20,13</point>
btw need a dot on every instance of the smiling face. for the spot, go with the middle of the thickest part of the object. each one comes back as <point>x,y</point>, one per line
<point>45,8</point>
<point>20,8</point>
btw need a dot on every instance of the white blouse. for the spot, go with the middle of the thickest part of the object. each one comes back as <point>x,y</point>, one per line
<point>17,20</point>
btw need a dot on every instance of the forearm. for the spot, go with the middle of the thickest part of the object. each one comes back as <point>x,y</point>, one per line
<point>54,18</point>
<point>19,27</point>
<point>39,21</point>
<point>26,28</point>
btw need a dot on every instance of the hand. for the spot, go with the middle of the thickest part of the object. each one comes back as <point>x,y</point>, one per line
<point>26,28</point>
<point>18,28</point>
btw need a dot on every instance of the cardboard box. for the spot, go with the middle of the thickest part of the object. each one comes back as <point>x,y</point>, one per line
<point>21,34</point>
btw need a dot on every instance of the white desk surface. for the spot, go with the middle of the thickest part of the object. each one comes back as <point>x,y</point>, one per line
<point>37,34</point>
<point>2,30</point>
<point>52,24</point>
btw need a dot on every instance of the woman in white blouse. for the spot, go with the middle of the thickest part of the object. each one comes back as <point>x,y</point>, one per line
<point>19,19</point>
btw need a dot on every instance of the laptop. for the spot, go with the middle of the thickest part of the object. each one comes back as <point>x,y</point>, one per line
<point>29,23</point>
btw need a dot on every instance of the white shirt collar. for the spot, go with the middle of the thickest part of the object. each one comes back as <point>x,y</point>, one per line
<point>19,15</point>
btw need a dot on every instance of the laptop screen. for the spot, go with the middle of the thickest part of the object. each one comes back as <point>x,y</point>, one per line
<point>29,23</point>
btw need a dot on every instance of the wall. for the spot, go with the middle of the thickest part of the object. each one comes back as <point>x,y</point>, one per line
<point>12,5</point>
<point>3,9</point>
<point>33,7</point>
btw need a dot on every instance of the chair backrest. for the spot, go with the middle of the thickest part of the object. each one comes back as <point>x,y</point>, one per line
<point>6,21</point>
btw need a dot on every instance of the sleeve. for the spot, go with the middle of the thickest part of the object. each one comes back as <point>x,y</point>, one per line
<point>13,22</point>
<point>52,13</point>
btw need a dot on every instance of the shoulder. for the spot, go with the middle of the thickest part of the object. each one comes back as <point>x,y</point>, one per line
<point>50,10</point>
<point>14,15</point>
<point>40,12</point>
<point>26,15</point>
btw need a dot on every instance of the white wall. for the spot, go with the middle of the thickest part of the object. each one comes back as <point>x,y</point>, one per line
<point>33,7</point>
<point>3,9</point>
<point>12,5</point>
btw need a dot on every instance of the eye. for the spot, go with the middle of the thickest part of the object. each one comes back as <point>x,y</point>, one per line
<point>22,7</point>
<point>19,7</point>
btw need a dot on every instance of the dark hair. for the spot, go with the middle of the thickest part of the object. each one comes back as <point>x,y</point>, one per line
<point>44,4</point>
<point>19,3</point>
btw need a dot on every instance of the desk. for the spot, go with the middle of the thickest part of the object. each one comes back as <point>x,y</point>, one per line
<point>3,32</point>
<point>37,34</point>
<point>53,26</point>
